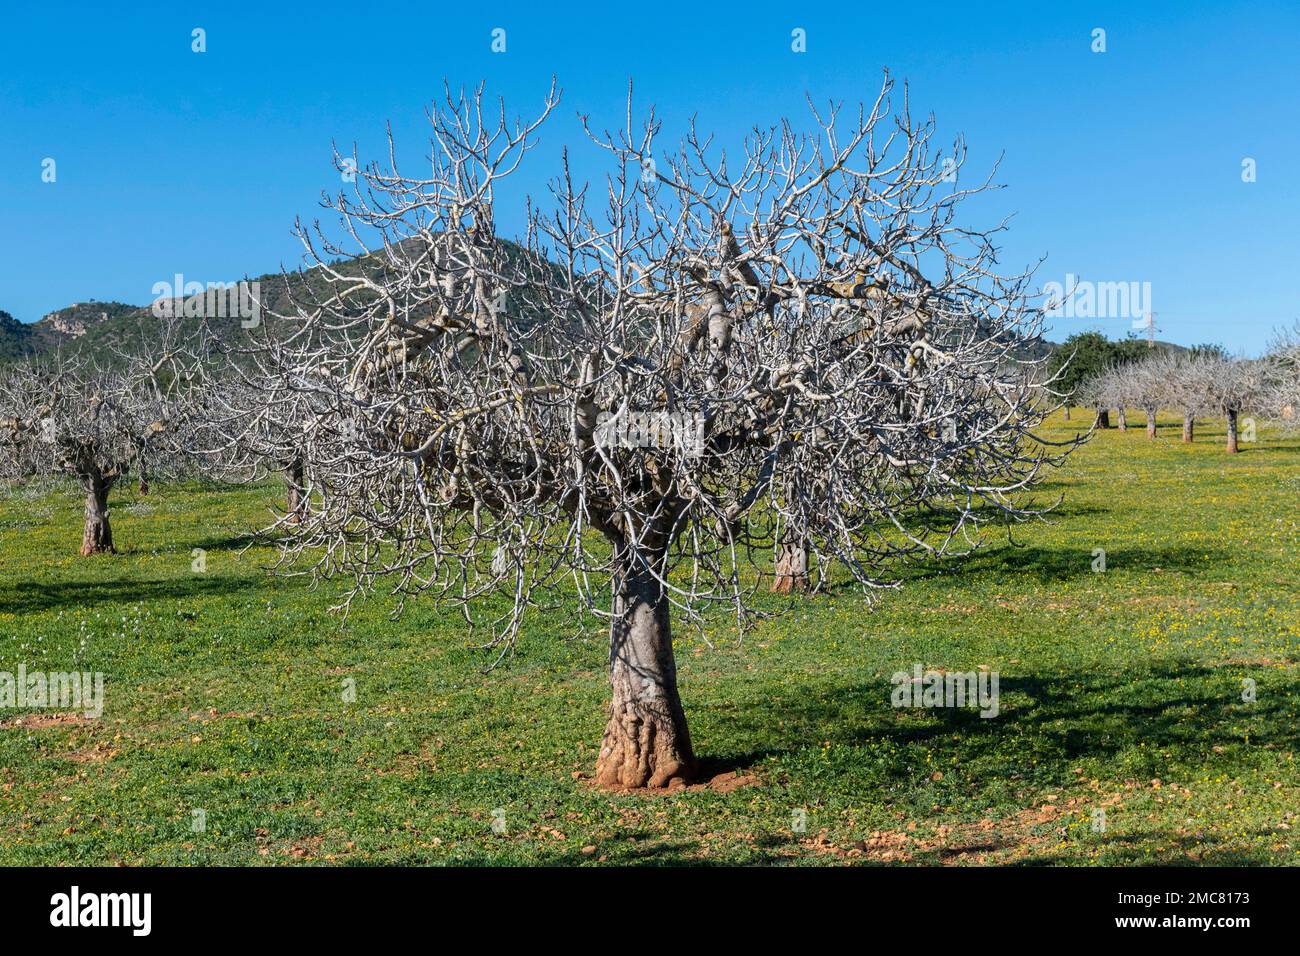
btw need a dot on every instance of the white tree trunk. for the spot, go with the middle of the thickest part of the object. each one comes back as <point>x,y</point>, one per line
<point>646,742</point>
<point>97,536</point>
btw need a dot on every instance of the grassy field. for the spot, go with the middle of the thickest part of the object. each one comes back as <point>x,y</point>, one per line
<point>1121,691</point>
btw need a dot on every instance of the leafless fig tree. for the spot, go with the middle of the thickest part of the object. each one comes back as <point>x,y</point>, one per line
<point>1099,392</point>
<point>1185,389</point>
<point>1282,392</point>
<point>1148,386</point>
<point>95,421</point>
<point>254,419</point>
<point>1117,392</point>
<point>1151,384</point>
<point>668,377</point>
<point>1232,386</point>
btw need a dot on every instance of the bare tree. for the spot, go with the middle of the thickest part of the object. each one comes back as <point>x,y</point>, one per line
<point>1282,389</point>
<point>662,383</point>
<point>1100,393</point>
<point>1147,388</point>
<point>254,418</point>
<point>1185,389</point>
<point>1121,385</point>
<point>1231,386</point>
<point>94,422</point>
<point>1151,384</point>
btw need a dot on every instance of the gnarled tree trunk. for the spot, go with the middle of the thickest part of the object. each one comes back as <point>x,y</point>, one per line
<point>1067,412</point>
<point>1123,420</point>
<point>1151,423</point>
<point>1232,432</point>
<point>143,487</point>
<point>1103,418</point>
<point>1189,426</point>
<point>297,501</point>
<point>97,537</point>
<point>791,573</point>
<point>646,741</point>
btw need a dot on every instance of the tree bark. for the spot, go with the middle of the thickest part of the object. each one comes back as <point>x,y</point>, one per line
<point>1232,432</point>
<point>1151,423</point>
<point>297,502</point>
<point>1067,412</point>
<point>97,537</point>
<point>646,742</point>
<point>791,566</point>
<point>1103,418</point>
<point>1189,426</point>
<point>144,479</point>
<point>1123,420</point>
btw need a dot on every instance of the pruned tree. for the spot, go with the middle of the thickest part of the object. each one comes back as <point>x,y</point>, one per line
<point>1282,389</point>
<point>662,382</point>
<point>1152,384</point>
<point>1098,392</point>
<point>1185,388</point>
<point>1231,386</point>
<point>1117,390</point>
<point>95,422</point>
<point>254,418</point>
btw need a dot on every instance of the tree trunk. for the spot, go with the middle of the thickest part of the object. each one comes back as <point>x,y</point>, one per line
<point>1232,432</point>
<point>1189,425</point>
<point>1151,423</point>
<point>646,741</point>
<point>297,502</point>
<point>1103,418</point>
<point>97,537</point>
<point>791,566</point>
<point>1067,412</point>
<point>1123,420</point>
<point>144,479</point>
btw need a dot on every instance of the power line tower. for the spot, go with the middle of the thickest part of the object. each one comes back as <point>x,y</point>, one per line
<point>1149,323</point>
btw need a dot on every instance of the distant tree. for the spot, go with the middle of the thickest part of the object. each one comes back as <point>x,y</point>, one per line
<point>94,422</point>
<point>1086,357</point>
<point>1147,385</point>
<point>1082,356</point>
<point>255,415</point>
<point>1096,392</point>
<point>1186,389</point>
<point>1208,351</point>
<point>1130,349</point>
<point>1231,386</point>
<point>1282,392</point>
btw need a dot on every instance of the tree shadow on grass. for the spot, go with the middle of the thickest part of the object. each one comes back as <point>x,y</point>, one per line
<point>1188,713</point>
<point>1063,564</point>
<point>27,597</point>
<point>1057,720</point>
<point>229,542</point>
<point>1266,448</point>
<point>1050,565</point>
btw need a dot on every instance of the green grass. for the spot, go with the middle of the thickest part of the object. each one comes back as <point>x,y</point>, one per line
<point>1121,691</point>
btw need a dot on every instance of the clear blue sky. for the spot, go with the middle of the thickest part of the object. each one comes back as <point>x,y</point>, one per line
<point>1120,166</point>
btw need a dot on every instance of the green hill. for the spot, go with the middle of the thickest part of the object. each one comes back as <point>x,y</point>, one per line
<point>99,328</point>
<point>15,338</point>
